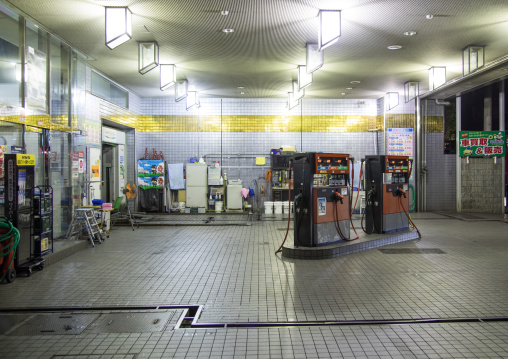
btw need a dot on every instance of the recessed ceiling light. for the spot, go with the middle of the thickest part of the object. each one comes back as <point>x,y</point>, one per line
<point>410,33</point>
<point>228,30</point>
<point>240,87</point>
<point>343,93</point>
<point>349,88</point>
<point>394,47</point>
<point>242,93</point>
<point>429,16</point>
<point>355,82</point>
<point>224,12</point>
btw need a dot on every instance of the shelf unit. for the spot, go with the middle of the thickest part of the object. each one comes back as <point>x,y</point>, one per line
<point>41,229</point>
<point>280,169</point>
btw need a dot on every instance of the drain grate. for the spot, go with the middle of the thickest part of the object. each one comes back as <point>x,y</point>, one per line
<point>139,322</point>
<point>53,324</point>
<point>411,251</point>
<point>93,356</point>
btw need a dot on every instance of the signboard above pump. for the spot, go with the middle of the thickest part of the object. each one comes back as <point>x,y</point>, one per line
<point>330,163</point>
<point>482,144</point>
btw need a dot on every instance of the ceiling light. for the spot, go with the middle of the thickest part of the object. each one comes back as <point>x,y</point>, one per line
<point>429,16</point>
<point>292,102</point>
<point>343,93</point>
<point>473,57</point>
<point>410,33</point>
<point>391,100</point>
<point>228,30</point>
<point>148,56</point>
<point>240,87</point>
<point>304,79</point>
<point>411,90</point>
<point>297,92</point>
<point>394,47</point>
<point>329,28</point>
<point>118,26</point>
<point>181,90</point>
<point>355,82</point>
<point>192,99</point>
<point>242,93</point>
<point>437,77</point>
<point>315,58</point>
<point>349,88</point>
<point>224,12</point>
<point>168,76</point>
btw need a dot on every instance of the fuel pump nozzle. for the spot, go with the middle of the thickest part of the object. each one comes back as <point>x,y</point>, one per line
<point>338,197</point>
<point>401,192</point>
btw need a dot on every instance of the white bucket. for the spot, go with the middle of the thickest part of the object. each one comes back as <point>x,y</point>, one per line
<point>182,206</point>
<point>218,206</point>
<point>268,207</point>
<point>277,207</point>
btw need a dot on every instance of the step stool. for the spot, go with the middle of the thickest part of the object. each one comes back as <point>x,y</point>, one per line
<point>84,218</point>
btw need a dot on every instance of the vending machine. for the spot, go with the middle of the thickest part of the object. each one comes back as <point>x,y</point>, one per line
<point>19,185</point>
<point>386,188</point>
<point>321,198</point>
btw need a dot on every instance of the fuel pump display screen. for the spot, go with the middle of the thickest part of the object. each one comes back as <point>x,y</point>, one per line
<point>396,164</point>
<point>332,163</point>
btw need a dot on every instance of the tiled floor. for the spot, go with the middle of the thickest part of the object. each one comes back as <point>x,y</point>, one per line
<point>233,272</point>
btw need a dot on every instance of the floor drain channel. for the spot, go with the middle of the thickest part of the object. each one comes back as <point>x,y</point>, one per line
<point>411,251</point>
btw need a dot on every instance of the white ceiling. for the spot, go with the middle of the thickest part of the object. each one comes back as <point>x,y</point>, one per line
<point>269,42</point>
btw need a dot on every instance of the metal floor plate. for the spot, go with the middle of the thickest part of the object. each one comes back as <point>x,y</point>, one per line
<point>137,322</point>
<point>7,322</point>
<point>53,324</point>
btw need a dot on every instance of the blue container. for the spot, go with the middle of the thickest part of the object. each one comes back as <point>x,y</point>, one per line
<point>97,202</point>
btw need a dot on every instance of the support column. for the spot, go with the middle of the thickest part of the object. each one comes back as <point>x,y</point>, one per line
<point>458,163</point>
<point>502,126</point>
<point>418,156</point>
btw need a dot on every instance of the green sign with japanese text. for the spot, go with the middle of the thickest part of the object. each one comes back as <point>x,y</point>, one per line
<point>482,144</point>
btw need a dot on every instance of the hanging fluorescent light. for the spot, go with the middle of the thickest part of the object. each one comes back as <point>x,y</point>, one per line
<point>297,93</point>
<point>329,28</point>
<point>118,26</point>
<point>192,99</point>
<point>292,102</point>
<point>304,79</point>
<point>148,56</point>
<point>181,90</point>
<point>473,57</point>
<point>437,77</point>
<point>315,58</point>
<point>391,100</point>
<point>411,90</point>
<point>168,76</point>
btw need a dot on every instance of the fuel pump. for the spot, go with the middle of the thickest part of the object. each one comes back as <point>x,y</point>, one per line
<point>322,198</point>
<point>386,189</point>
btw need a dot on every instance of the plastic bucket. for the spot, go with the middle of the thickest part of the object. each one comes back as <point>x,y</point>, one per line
<point>181,206</point>
<point>277,207</point>
<point>268,207</point>
<point>218,206</point>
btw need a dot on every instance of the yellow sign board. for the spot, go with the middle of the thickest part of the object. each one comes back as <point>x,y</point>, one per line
<point>25,160</point>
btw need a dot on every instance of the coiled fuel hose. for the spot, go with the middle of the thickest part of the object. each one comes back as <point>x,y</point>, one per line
<point>8,243</point>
